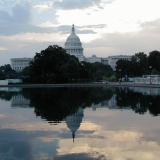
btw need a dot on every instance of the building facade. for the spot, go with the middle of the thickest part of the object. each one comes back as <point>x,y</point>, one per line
<point>93,59</point>
<point>113,59</point>
<point>73,45</point>
<point>18,64</point>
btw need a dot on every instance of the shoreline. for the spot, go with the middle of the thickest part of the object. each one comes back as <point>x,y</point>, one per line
<point>110,84</point>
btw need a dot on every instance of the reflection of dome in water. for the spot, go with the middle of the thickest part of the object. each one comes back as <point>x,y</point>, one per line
<point>74,121</point>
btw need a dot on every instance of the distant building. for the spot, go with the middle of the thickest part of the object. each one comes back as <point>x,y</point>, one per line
<point>18,64</point>
<point>104,61</point>
<point>93,59</point>
<point>113,59</point>
<point>73,46</point>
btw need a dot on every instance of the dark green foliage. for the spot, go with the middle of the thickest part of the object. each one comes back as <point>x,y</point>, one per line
<point>47,65</point>
<point>100,70</point>
<point>2,75</point>
<point>7,72</point>
<point>136,67</point>
<point>6,68</point>
<point>54,65</point>
<point>154,60</point>
<point>123,68</point>
<point>140,63</point>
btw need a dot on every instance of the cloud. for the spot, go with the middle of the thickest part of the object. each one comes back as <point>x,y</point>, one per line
<point>75,4</point>
<point>20,20</point>
<point>94,26</point>
<point>7,30</point>
<point>21,13</point>
<point>87,29</point>
<point>144,40</point>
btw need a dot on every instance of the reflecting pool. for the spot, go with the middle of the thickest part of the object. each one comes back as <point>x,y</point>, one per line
<point>80,123</point>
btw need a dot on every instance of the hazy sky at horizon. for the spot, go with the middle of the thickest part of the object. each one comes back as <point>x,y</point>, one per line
<point>105,27</point>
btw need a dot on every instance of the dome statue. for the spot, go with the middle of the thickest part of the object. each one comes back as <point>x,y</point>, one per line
<point>73,45</point>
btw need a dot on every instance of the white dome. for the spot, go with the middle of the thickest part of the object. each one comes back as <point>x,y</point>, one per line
<point>73,40</point>
<point>73,45</point>
<point>73,37</point>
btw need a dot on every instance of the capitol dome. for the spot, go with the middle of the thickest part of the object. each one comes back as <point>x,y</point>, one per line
<point>73,45</point>
<point>73,38</point>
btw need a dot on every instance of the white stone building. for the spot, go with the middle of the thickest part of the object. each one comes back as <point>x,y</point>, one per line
<point>73,45</point>
<point>18,64</point>
<point>113,59</point>
<point>93,59</point>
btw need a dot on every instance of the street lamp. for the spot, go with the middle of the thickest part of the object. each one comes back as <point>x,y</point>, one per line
<point>150,67</point>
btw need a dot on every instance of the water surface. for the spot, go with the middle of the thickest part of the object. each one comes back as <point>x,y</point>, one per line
<point>79,123</point>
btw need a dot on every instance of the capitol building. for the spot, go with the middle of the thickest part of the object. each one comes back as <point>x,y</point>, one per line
<point>73,46</point>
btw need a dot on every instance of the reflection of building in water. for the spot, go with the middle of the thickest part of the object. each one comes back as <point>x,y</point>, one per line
<point>147,91</point>
<point>14,89</point>
<point>112,103</point>
<point>95,106</point>
<point>74,121</point>
<point>19,101</point>
<point>11,89</point>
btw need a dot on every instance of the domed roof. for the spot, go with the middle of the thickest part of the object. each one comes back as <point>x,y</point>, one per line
<point>73,36</point>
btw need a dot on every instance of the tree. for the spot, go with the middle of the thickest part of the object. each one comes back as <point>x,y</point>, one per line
<point>154,60</point>
<point>71,69</point>
<point>100,70</point>
<point>86,71</point>
<point>139,64</point>
<point>123,68</point>
<point>2,75</point>
<point>6,68</point>
<point>8,72</point>
<point>53,65</point>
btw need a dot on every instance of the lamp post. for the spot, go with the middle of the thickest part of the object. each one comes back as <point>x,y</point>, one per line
<point>150,67</point>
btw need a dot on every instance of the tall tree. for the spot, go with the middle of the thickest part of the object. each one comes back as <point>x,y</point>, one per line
<point>154,60</point>
<point>46,64</point>
<point>139,63</point>
<point>123,68</point>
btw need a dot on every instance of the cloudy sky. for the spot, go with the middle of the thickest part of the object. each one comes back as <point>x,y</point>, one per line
<point>105,27</point>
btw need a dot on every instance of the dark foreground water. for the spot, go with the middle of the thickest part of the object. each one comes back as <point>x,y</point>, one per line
<point>79,124</point>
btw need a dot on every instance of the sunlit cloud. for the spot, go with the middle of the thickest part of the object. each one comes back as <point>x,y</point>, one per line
<point>3,48</point>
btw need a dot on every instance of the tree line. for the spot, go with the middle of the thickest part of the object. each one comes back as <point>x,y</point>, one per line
<point>140,64</point>
<point>54,104</point>
<point>54,65</point>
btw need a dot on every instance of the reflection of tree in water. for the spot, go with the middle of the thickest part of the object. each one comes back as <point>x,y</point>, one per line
<point>154,105</point>
<point>55,104</point>
<point>138,102</point>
